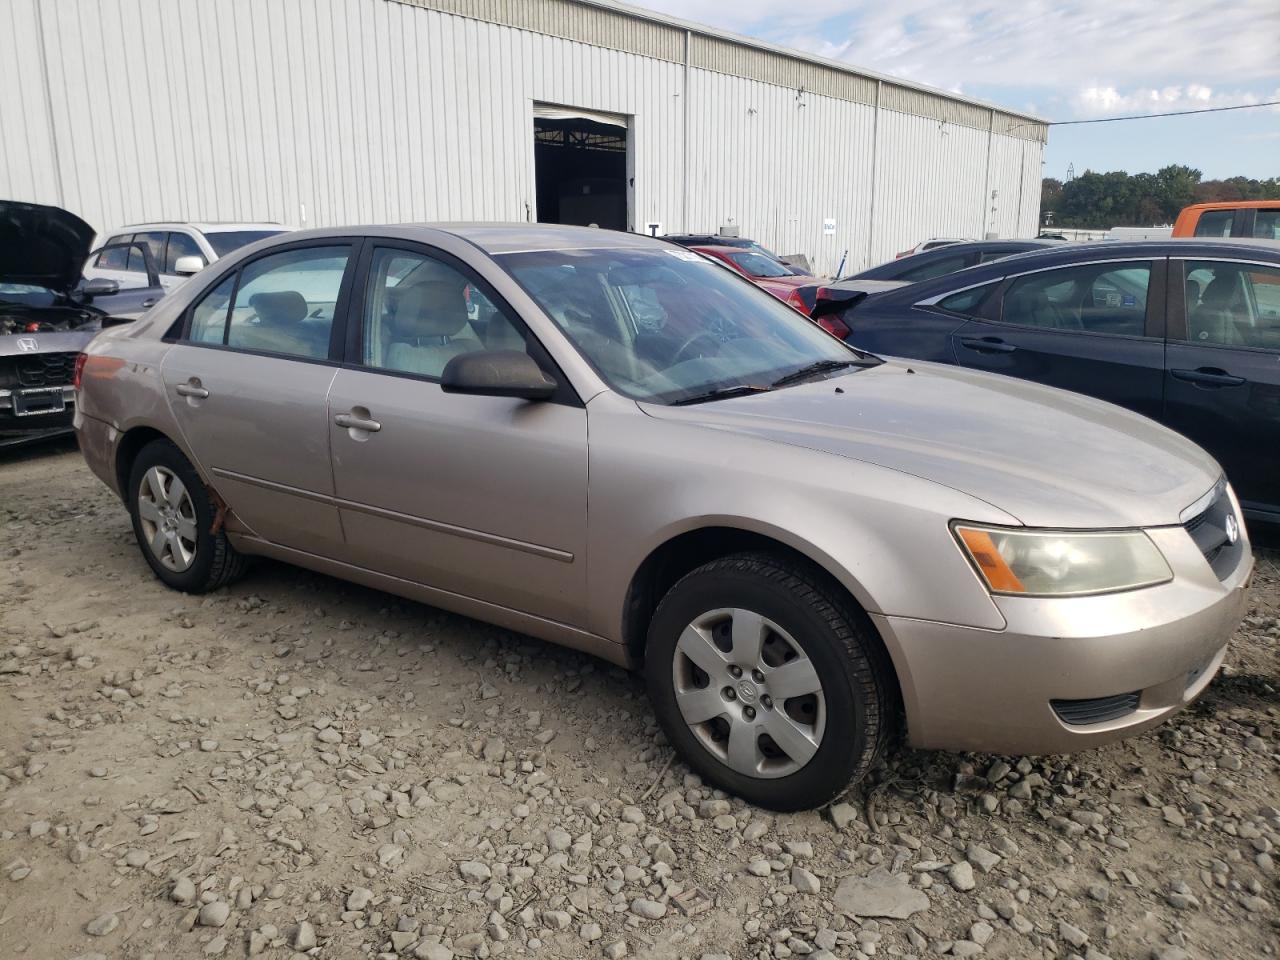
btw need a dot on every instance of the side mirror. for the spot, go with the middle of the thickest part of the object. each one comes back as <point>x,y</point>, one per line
<point>100,287</point>
<point>497,373</point>
<point>186,266</point>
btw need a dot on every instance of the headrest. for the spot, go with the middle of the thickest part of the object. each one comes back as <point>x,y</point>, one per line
<point>1192,290</point>
<point>432,308</point>
<point>1220,291</point>
<point>279,306</point>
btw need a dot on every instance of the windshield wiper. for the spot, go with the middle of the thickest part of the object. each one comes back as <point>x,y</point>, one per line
<point>721,393</point>
<point>823,366</point>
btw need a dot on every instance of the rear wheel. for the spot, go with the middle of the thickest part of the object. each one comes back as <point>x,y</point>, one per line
<point>173,515</point>
<point>768,681</point>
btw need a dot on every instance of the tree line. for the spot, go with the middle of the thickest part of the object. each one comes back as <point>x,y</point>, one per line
<point>1101,200</point>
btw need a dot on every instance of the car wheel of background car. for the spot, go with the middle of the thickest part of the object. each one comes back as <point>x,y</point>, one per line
<point>172,516</point>
<point>768,682</point>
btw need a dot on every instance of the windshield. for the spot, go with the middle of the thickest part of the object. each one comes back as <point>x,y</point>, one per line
<point>758,265</point>
<point>27,294</point>
<point>667,325</point>
<point>224,241</point>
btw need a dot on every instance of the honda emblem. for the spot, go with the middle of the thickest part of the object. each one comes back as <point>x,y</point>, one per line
<point>28,344</point>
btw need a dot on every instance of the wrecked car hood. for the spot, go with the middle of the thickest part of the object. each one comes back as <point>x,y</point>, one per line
<point>42,246</point>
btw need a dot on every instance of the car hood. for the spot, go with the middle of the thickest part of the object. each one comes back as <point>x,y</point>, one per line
<point>44,246</point>
<point>1045,456</point>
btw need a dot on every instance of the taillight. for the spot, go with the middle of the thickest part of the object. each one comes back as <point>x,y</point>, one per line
<point>79,370</point>
<point>834,326</point>
<point>796,300</point>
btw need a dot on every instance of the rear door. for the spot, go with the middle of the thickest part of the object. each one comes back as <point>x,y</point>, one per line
<point>1222,386</point>
<point>248,386</point>
<point>1095,328</point>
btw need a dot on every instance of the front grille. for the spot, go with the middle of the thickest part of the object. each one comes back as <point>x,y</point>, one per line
<point>1078,713</point>
<point>1217,534</point>
<point>46,370</point>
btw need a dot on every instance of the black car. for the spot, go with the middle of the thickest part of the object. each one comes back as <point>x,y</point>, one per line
<point>1184,331</point>
<point>940,261</point>
<point>49,313</point>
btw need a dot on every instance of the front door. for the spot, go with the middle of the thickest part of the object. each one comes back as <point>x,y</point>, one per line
<point>1092,328</point>
<point>484,497</point>
<point>1222,386</point>
<point>248,388</point>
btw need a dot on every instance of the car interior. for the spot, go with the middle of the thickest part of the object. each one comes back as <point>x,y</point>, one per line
<point>1111,300</point>
<point>1233,305</point>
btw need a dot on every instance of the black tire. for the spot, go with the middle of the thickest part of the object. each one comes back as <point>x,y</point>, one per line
<point>857,678</point>
<point>216,563</point>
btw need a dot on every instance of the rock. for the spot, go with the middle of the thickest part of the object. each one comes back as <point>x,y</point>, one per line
<point>556,919</point>
<point>474,871</point>
<point>879,894</point>
<point>804,881</point>
<point>965,948</point>
<point>981,933</point>
<point>842,814</point>
<point>1073,935</point>
<point>981,857</point>
<point>649,909</point>
<point>101,926</point>
<point>559,840</point>
<point>632,814</point>
<point>359,898</point>
<point>590,932</point>
<point>432,951</point>
<point>961,876</point>
<point>759,868</point>
<point>214,914</point>
<point>304,938</point>
<point>616,950</point>
<point>494,749</point>
<point>183,892</point>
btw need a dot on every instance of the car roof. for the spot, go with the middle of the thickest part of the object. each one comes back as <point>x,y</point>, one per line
<point>720,248</point>
<point>1232,205</point>
<point>498,238</point>
<point>204,226</point>
<point>1168,246</point>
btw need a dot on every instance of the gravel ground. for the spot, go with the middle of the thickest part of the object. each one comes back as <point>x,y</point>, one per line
<point>297,764</point>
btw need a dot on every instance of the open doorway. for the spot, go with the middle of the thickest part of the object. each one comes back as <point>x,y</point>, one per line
<point>581,163</point>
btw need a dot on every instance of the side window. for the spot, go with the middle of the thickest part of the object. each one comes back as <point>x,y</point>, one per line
<point>1233,304</point>
<point>116,259</point>
<point>1266,224</point>
<point>1215,223</point>
<point>155,243</point>
<point>209,318</point>
<point>939,268</point>
<point>285,302</point>
<point>966,302</point>
<point>1097,298</point>
<point>420,313</point>
<point>180,245</point>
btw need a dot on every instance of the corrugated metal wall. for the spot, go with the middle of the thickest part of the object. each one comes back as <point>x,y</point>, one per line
<point>348,111</point>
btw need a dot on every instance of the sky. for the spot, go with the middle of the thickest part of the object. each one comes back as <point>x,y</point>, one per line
<point>1068,60</point>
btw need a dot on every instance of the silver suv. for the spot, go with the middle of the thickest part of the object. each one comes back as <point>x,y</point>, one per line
<point>608,442</point>
<point>178,249</point>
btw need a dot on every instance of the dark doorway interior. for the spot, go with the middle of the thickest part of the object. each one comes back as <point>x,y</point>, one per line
<point>581,172</point>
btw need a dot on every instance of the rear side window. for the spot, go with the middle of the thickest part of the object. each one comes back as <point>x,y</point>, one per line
<point>209,318</point>
<point>155,244</point>
<point>1215,223</point>
<point>1233,305</point>
<point>285,302</point>
<point>117,258</point>
<point>967,302</point>
<point>1108,298</point>
<point>1266,224</point>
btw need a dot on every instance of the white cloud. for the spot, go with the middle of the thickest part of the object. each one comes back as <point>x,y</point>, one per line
<point>1093,57</point>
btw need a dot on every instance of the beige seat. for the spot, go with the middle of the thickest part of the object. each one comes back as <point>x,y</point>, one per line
<point>430,328</point>
<point>1213,321</point>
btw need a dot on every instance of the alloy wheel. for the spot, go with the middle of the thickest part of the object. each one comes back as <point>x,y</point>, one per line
<point>749,693</point>
<point>168,518</point>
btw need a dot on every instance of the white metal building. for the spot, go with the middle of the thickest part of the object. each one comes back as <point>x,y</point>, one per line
<point>321,112</point>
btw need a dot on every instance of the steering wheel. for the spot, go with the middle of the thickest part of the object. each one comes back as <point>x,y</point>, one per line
<point>687,347</point>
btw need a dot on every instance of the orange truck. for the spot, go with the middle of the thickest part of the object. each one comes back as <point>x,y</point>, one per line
<point>1234,218</point>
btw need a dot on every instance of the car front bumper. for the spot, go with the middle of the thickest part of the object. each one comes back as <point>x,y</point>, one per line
<point>1069,673</point>
<point>30,413</point>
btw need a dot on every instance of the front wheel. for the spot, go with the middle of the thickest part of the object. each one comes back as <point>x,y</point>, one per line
<point>768,681</point>
<point>173,515</point>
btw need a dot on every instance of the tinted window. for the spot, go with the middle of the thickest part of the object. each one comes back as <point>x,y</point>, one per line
<point>758,265</point>
<point>1215,223</point>
<point>1098,298</point>
<point>180,245</point>
<point>155,244</point>
<point>667,325</point>
<point>224,241</point>
<point>938,268</point>
<point>117,259</point>
<point>209,318</point>
<point>285,301</point>
<point>1266,224</point>
<point>966,301</point>
<point>1233,304</point>
<point>420,313</point>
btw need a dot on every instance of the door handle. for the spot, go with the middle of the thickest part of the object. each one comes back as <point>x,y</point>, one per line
<point>150,301</point>
<point>1208,377</point>
<point>192,390</point>
<point>987,344</point>
<point>357,423</point>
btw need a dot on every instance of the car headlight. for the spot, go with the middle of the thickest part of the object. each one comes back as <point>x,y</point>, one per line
<point>1047,563</point>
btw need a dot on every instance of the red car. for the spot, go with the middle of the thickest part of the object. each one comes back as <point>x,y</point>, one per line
<point>774,276</point>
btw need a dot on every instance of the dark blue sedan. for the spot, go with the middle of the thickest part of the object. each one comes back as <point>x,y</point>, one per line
<point>1184,331</point>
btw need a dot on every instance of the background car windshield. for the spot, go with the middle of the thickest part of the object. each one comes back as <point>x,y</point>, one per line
<point>26,293</point>
<point>223,242</point>
<point>758,265</point>
<point>665,325</point>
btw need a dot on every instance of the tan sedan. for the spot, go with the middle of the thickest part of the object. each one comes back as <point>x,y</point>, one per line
<point>605,441</point>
